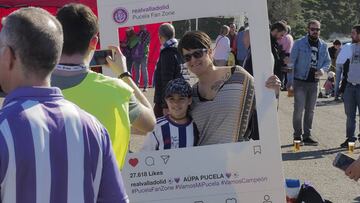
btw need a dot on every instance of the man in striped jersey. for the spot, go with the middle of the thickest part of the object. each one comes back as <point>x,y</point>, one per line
<point>50,150</point>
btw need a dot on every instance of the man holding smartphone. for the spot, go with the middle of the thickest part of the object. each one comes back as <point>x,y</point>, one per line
<point>116,103</point>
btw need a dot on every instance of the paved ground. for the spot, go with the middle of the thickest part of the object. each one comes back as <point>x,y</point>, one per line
<point>311,163</point>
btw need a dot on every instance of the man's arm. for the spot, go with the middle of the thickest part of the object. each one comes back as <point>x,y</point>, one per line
<point>226,43</point>
<point>344,54</point>
<point>326,64</point>
<point>327,61</point>
<point>151,143</point>
<point>294,55</point>
<point>246,39</point>
<point>111,187</point>
<point>146,121</point>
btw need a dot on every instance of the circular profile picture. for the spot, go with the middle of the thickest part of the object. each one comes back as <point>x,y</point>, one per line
<point>120,15</point>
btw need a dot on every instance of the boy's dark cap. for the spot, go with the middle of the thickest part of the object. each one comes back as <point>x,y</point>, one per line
<point>178,86</point>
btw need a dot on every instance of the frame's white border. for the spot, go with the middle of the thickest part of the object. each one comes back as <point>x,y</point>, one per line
<point>270,161</point>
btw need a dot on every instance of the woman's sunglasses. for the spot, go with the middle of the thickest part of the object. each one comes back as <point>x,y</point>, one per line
<point>196,54</point>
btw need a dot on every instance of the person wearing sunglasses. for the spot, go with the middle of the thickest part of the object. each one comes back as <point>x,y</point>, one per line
<point>223,99</point>
<point>309,59</point>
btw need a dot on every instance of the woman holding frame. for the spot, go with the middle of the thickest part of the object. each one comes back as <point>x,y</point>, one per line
<point>224,97</point>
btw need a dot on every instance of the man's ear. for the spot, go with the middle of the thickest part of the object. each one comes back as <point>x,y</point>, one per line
<point>93,42</point>
<point>9,58</point>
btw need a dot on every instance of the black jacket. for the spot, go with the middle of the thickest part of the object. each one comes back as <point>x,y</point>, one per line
<point>278,57</point>
<point>167,68</point>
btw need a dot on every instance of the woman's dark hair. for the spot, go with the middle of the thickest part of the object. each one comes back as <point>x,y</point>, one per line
<point>194,40</point>
<point>337,42</point>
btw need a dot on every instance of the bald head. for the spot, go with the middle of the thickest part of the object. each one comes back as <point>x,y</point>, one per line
<point>35,37</point>
<point>167,31</point>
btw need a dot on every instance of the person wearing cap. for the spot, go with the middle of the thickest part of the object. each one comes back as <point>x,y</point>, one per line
<point>176,129</point>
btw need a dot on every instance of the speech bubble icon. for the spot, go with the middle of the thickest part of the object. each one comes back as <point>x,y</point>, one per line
<point>231,200</point>
<point>149,161</point>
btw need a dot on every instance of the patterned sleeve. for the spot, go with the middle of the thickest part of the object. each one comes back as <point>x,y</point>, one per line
<point>294,54</point>
<point>112,188</point>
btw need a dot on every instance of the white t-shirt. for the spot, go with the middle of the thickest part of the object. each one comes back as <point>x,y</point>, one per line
<point>222,48</point>
<point>344,54</point>
<point>352,52</point>
<point>354,66</point>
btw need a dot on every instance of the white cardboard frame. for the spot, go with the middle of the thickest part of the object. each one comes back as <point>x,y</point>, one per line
<point>261,178</point>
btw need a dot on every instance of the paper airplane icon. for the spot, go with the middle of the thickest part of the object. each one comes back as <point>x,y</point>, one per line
<point>165,158</point>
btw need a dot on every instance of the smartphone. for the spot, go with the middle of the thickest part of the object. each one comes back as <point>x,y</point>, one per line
<point>342,161</point>
<point>99,57</point>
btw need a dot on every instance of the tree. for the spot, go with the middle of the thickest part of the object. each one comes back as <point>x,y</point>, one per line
<point>335,16</point>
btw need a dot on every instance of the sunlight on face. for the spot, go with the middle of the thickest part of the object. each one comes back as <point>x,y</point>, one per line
<point>178,105</point>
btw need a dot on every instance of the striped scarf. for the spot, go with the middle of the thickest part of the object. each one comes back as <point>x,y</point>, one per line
<point>170,43</point>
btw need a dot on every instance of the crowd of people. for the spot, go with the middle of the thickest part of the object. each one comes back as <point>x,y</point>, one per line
<point>65,130</point>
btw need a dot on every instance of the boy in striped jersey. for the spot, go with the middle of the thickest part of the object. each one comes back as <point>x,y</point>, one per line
<point>175,130</point>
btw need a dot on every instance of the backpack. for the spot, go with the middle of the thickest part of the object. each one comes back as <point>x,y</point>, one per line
<point>137,52</point>
<point>308,194</point>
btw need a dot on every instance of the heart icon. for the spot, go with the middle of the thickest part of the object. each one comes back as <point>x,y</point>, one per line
<point>133,162</point>
<point>228,175</point>
<point>177,180</point>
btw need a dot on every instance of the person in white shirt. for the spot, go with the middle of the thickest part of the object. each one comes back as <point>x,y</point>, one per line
<point>222,47</point>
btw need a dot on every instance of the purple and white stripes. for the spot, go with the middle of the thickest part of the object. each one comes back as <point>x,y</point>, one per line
<point>52,151</point>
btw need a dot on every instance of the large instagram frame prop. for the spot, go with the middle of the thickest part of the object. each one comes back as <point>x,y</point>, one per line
<point>237,172</point>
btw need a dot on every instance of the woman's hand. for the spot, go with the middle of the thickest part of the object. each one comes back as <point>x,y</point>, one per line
<point>273,82</point>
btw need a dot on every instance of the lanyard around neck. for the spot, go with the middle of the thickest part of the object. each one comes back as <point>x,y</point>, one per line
<point>71,68</point>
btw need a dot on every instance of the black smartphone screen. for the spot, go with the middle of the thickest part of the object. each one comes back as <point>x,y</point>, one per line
<point>99,57</point>
<point>342,161</point>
